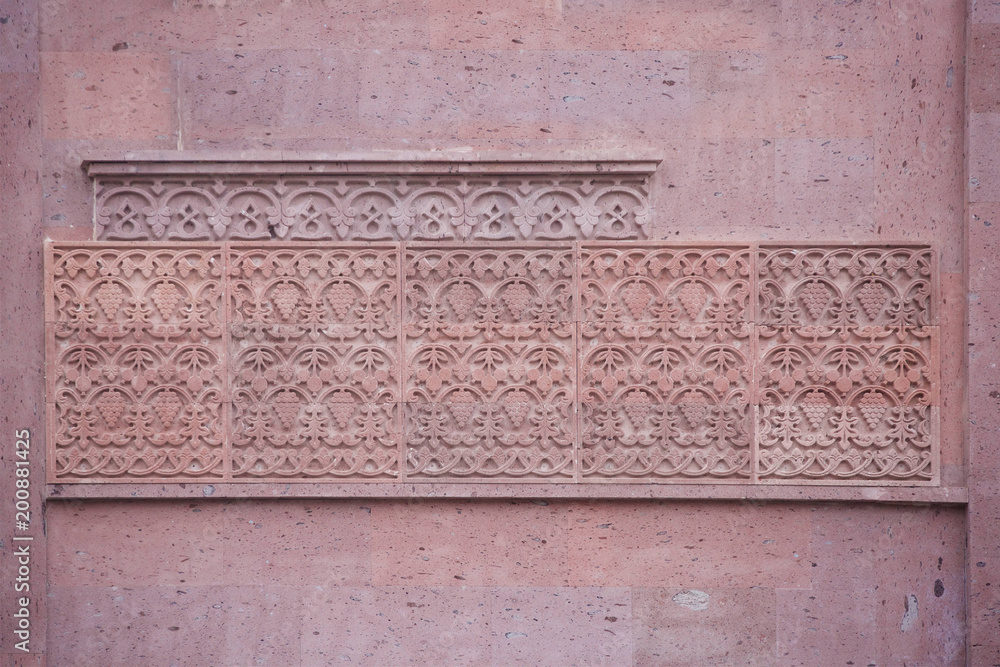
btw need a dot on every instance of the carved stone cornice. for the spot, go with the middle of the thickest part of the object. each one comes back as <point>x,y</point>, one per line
<point>371,200</point>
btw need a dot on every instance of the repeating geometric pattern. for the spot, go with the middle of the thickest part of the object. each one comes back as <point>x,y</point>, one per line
<point>581,362</point>
<point>847,364</point>
<point>665,362</point>
<point>314,207</point>
<point>314,369</point>
<point>136,362</point>
<point>490,362</point>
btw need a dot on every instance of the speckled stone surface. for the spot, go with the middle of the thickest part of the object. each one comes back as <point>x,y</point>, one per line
<point>487,582</point>
<point>790,121</point>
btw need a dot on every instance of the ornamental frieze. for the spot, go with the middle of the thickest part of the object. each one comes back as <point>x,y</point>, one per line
<point>562,361</point>
<point>351,202</point>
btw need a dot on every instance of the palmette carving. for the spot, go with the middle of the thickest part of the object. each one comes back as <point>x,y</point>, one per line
<point>579,362</point>
<point>315,370</point>
<point>847,367</point>
<point>665,362</point>
<point>471,207</point>
<point>490,362</point>
<point>137,365</point>
<point>844,288</point>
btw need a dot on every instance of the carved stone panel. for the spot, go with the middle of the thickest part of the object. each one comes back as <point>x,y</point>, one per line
<point>490,362</point>
<point>847,364</point>
<point>665,357</point>
<point>582,362</point>
<point>314,365</point>
<point>136,362</point>
<point>439,202</point>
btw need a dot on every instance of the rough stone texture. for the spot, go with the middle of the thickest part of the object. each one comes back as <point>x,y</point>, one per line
<point>485,582</point>
<point>21,305</point>
<point>102,96</point>
<point>723,179</point>
<point>669,626</point>
<point>982,218</point>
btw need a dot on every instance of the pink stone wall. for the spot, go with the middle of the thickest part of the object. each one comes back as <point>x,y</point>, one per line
<point>504,583</point>
<point>791,121</point>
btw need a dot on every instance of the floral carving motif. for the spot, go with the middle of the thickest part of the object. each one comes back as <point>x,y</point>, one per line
<point>322,204</point>
<point>570,361</point>
<point>847,366</point>
<point>313,343</point>
<point>675,360</point>
<point>490,357</point>
<point>136,362</point>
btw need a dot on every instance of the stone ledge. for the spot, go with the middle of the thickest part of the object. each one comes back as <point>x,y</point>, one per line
<point>734,492</point>
<point>101,161</point>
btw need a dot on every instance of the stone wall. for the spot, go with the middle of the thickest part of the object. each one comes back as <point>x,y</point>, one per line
<point>791,121</point>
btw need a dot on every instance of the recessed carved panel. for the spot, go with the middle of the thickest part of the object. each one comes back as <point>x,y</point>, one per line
<point>665,360</point>
<point>136,362</point>
<point>314,361</point>
<point>847,364</point>
<point>490,362</point>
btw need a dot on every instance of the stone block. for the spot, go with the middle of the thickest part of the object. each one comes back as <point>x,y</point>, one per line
<point>466,543</point>
<point>619,94</point>
<point>689,545</point>
<point>823,93</point>
<point>812,624</point>
<point>728,97</point>
<point>394,625</point>
<point>19,39</point>
<point>984,164</point>
<point>820,25</point>
<point>107,96</point>
<point>675,626</point>
<point>105,544</point>
<point>163,625</point>
<point>823,189</point>
<point>262,96</point>
<point>562,626</point>
<point>984,67</point>
<point>690,25</point>
<point>462,94</point>
<point>308,544</point>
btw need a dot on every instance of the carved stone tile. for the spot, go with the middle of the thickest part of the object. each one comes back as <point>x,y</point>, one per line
<point>665,360</point>
<point>452,203</point>
<point>136,362</point>
<point>843,288</point>
<point>490,353</point>
<point>314,339</point>
<point>847,366</point>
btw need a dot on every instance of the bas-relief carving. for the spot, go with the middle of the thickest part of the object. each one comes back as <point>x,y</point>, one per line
<point>136,362</point>
<point>472,322</point>
<point>847,364</point>
<point>490,354</point>
<point>475,208</point>
<point>665,359</point>
<point>314,363</point>
<point>574,362</point>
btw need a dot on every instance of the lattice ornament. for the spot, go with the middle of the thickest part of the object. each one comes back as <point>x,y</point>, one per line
<point>564,361</point>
